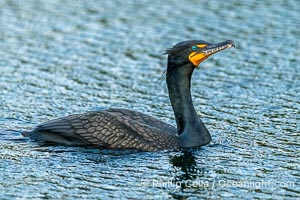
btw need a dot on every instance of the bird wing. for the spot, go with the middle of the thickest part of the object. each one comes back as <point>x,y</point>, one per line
<point>112,128</point>
<point>141,118</point>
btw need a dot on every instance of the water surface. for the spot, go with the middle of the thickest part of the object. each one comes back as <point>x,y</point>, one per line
<point>58,58</point>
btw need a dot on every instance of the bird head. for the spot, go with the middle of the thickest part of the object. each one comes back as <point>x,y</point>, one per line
<point>195,51</point>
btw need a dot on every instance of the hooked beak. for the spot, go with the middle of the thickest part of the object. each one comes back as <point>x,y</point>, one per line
<point>201,54</point>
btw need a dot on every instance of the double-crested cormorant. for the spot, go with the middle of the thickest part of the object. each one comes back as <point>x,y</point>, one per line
<point>127,129</point>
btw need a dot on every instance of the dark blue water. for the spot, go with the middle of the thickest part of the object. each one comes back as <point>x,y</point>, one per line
<point>63,57</point>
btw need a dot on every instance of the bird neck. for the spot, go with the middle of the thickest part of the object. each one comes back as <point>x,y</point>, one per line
<point>191,131</point>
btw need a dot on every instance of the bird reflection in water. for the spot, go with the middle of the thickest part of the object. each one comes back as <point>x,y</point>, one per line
<point>186,168</point>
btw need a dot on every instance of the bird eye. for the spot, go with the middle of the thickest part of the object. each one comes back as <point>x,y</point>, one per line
<point>194,48</point>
